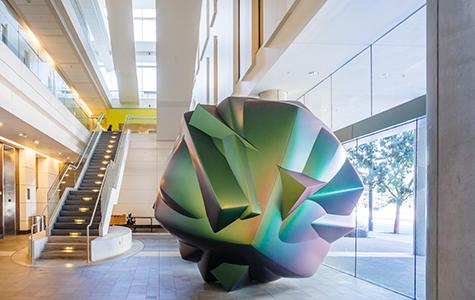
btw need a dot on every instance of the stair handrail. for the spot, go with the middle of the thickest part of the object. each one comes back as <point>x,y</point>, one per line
<point>94,214</point>
<point>85,154</point>
<point>112,181</point>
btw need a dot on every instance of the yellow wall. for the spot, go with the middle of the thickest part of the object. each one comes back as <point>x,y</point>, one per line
<point>117,116</point>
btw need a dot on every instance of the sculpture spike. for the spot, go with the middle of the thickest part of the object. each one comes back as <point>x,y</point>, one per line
<point>231,276</point>
<point>296,187</point>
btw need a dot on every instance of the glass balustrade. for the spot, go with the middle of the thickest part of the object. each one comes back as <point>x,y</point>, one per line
<point>22,44</point>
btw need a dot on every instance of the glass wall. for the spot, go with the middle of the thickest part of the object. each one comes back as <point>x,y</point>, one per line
<point>389,72</point>
<point>388,245</point>
<point>23,44</point>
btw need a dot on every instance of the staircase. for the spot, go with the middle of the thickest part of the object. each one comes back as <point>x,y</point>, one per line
<point>68,233</point>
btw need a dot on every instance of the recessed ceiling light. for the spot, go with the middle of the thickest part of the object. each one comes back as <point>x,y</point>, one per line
<point>37,142</point>
<point>60,153</point>
<point>21,134</point>
<point>313,73</point>
<point>1,124</point>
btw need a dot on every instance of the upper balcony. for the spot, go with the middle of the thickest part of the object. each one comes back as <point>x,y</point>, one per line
<point>38,109</point>
<point>26,47</point>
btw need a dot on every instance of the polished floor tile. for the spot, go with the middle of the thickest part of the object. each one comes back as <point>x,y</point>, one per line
<point>159,273</point>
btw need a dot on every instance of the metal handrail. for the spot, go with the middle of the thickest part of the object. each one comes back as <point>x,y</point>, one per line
<point>56,183</point>
<point>94,214</point>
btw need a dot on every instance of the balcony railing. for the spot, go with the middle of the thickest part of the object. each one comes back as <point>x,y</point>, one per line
<point>15,37</point>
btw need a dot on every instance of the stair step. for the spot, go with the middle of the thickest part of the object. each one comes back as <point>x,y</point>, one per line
<point>79,208</point>
<point>78,214</point>
<point>65,246</point>
<point>62,254</point>
<point>92,196</point>
<point>80,193</point>
<point>73,226</point>
<point>80,202</point>
<point>68,239</point>
<point>73,232</point>
<point>71,219</point>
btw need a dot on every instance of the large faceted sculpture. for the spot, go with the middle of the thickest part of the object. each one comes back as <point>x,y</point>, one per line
<point>256,190</point>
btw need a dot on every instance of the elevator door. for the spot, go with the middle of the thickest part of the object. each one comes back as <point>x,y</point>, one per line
<point>9,197</point>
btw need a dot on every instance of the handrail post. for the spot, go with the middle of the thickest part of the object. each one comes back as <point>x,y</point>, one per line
<point>32,256</point>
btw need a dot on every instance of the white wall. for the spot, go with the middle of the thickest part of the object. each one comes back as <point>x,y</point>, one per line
<point>24,96</point>
<point>217,68</point>
<point>228,62</point>
<point>146,161</point>
<point>47,172</point>
<point>48,169</point>
<point>273,15</point>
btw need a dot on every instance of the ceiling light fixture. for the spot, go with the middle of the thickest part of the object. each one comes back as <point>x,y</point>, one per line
<point>1,124</point>
<point>37,142</point>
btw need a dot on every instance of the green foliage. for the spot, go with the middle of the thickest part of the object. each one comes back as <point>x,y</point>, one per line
<point>387,166</point>
<point>397,166</point>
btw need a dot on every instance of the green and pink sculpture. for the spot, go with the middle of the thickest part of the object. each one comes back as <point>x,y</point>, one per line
<point>256,190</point>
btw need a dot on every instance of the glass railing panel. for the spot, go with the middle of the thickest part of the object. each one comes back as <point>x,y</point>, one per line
<point>16,39</point>
<point>141,124</point>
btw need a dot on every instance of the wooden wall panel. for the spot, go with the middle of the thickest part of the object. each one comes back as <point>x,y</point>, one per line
<point>248,35</point>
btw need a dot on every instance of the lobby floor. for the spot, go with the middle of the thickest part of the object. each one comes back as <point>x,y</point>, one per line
<point>158,272</point>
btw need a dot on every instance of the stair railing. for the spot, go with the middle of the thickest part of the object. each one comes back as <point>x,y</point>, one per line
<point>108,186</point>
<point>88,238</point>
<point>54,196</point>
<point>113,181</point>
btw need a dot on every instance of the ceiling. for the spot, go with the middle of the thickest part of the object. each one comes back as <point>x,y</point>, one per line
<point>12,126</point>
<point>340,30</point>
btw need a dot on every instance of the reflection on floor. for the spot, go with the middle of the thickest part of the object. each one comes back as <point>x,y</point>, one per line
<point>159,273</point>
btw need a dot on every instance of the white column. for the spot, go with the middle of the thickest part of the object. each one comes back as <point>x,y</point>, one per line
<point>27,180</point>
<point>48,169</point>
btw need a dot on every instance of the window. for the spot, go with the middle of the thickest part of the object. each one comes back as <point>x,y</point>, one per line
<point>144,25</point>
<point>388,245</point>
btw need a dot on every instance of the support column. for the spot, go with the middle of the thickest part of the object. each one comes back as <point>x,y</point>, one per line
<point>27,182</point>
<point>48,169</point>
<point>276,95</point>
<point>451,149</point>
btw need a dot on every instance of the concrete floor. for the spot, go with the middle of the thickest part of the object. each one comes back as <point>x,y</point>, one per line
<point>157,272</point>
